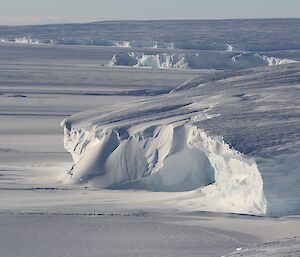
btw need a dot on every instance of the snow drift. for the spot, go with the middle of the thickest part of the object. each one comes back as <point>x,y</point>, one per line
<point>227,60</point>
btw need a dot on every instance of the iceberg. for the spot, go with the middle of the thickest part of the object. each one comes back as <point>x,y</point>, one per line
<point>225,60</point>
<point>218,137</point>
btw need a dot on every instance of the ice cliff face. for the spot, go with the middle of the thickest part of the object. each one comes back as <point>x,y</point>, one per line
<point>231,139</point>
<point>173,157</point>
<point>223,60</point>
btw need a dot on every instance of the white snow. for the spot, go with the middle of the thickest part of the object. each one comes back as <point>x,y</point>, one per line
<point>288,247</point>
<point>94,42</point>
<point>26,40</point>
<point>229,48</point>
<point>226,141</point>
<point>277,61</point>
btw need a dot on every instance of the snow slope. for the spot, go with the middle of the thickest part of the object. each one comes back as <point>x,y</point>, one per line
<point>284,247</point>
<point>221,138</point>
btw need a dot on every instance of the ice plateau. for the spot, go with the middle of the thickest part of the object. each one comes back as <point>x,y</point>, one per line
<point>227,139</point>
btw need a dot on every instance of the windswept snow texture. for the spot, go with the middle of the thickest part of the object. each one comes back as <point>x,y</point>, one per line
<point>227,60</point>
<point>288,247</point>
<point>173,143</point>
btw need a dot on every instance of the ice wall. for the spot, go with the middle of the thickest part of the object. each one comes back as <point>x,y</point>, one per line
<point>227,60</point>
<point>167,158</point>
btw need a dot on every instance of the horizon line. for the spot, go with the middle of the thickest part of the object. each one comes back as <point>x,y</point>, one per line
<point>86,20</point>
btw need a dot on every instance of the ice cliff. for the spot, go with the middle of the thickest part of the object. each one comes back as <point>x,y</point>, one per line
<point>229,141</point>
<point>221,60</point>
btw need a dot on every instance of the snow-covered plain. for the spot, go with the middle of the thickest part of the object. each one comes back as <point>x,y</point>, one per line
<point>139,138</point>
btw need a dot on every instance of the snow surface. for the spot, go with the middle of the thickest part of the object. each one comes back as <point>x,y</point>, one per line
<point>160,214</point>
<point>289,247</point>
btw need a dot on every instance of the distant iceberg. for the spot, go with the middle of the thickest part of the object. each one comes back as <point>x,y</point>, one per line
<point>227,60</point>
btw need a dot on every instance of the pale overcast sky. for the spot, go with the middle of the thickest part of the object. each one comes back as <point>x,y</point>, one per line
<point>49,11</point>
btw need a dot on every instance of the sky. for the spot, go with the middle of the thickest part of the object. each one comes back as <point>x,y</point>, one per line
<point>58,11</point>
